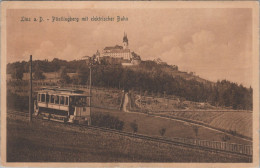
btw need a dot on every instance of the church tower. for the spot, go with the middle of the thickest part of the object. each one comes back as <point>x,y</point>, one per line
<point>125,41</point>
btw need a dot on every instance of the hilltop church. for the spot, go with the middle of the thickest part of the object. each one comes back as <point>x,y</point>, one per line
<point>117,54</point>
<point>117,51</point>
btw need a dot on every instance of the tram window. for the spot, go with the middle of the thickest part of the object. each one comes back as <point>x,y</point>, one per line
<point>66,100</point>
<point>43,98</point>
<point>62,100</point>
<point>47,98</point>
<point>39,97</point>
<point>52,98</point>
<point>80,101</point>
<point>72,100</point>
<point>84,101</point>
<point>57,99</point>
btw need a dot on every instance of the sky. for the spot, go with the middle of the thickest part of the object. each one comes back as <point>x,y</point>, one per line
<point>214,43</point>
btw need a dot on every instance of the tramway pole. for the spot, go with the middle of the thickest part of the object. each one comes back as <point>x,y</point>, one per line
<point>90,94</point>
<point>30,92</point>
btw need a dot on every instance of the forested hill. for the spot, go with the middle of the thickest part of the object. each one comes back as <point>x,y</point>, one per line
<point>148,77</point>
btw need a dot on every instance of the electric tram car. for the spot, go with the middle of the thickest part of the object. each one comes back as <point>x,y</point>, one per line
<point>63,105</point>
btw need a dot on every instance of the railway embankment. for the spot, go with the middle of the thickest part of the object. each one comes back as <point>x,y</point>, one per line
<point>55,142</point>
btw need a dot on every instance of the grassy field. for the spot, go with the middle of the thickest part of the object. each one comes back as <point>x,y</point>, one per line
<point>169,103</point>
<point>107,98</point>
<point>50,142</point>
<point>239,122</point>
<point>151,125</point>
<point>236,122</point>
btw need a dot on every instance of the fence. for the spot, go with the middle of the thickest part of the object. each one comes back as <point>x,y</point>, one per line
<point>224,146</point>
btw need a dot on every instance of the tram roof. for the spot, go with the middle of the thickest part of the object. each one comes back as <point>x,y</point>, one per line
<point>62,91</point>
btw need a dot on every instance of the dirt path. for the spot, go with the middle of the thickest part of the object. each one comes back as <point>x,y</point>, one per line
<point>138,100</point>
<point>125,102</point>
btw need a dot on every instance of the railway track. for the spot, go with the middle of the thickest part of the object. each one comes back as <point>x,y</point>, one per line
<point>138,136</point>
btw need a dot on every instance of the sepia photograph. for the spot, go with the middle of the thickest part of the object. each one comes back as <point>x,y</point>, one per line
<point>120,84</point>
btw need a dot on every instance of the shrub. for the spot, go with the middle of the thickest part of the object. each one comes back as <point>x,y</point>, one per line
<point>107,121</point>
<point>232,132</point>
<point>162,131</point>
<point>225,138</point>
<point>196,130</point>
<point>134,126</point>
<point>17,102</point>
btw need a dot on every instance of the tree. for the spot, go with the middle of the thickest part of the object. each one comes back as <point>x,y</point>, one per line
<point>196,130</point>
<point>134,126</point>
<point>162,131</point>
<point>64,77</point>
<point>17,74</point>
<point>38,75</point>
<point>225,138</point>
<point>83,74</point>
<point>75,80</point>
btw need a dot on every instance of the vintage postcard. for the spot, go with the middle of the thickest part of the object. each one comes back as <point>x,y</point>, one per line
<point>120,84</point>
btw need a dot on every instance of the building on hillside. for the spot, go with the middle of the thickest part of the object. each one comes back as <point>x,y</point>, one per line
<point>117,51</point>
<point>117,54</point>
<point>85,57</point>
<point>88,58</point>
<point>159,61</point>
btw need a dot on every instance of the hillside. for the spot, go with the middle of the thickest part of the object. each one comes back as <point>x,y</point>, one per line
<point>169,69</point>
<point>147,78</point>
<point>50,67</point>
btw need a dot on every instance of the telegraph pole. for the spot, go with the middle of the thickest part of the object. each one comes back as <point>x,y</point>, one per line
<point>141,104</point>
<point>30,92</point>
<point>90,94</point>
